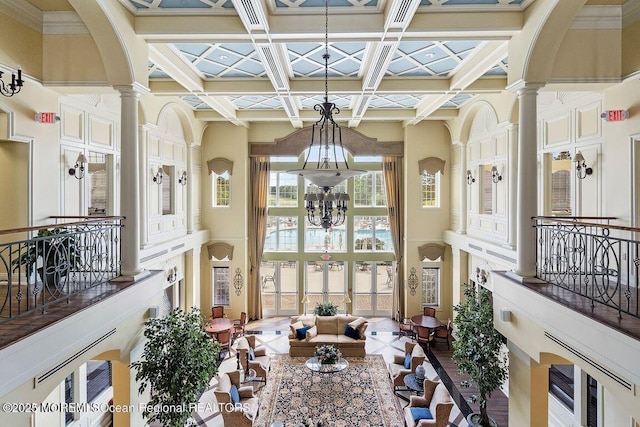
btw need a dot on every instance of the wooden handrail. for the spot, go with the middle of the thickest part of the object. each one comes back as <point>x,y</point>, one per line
<point>66,224</point>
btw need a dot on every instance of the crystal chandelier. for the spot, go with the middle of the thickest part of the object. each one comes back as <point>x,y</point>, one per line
<point>325,208</point>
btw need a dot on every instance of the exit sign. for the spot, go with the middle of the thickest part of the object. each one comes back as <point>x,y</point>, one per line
<point>47,118</point>
<point>615,115</point>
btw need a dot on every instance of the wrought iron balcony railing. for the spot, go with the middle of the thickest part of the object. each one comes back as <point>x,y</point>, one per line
<point>592,258</point>
<point>59,261</point>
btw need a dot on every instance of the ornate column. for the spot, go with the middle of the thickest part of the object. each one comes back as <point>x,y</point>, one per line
<point>527,186</point>
<point>129,180</point>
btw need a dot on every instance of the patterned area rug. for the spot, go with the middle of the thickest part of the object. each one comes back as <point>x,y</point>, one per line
<point>361,395</point>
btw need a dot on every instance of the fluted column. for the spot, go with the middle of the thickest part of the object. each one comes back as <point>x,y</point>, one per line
<point>129,180</point>
<point>463,189</point>
<point>527,186</point>
<point>512,180</point>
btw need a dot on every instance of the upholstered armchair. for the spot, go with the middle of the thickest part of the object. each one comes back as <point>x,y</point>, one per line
<point>397,370</point>
<point>436,400</point>
<point>245,410</point>
<point>253,358</point>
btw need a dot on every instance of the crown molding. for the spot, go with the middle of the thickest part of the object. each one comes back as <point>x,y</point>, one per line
<point>63,23</point>
<point>630,12</point>
<point>598,18</point>
<point>24,12</point>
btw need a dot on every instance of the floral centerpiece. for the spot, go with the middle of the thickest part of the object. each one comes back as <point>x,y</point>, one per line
<point>327,354</point>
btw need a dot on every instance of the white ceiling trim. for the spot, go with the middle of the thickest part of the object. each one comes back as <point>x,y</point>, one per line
<point>63,23</point>
<point>598,18</point>
<point>24,12</point>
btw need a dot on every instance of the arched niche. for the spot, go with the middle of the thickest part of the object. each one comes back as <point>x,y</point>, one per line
<point>173,114</point>
<point>354,142</point>
<point>480,119</point>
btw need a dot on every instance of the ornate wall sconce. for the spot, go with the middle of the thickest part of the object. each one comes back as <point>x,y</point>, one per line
<point>413,281</point>
<point>157,178</point>
<point>78,170</point>
<point>183,178</point>
<point>470,178</point>
<point>481,276</point>
<point>238,281</point>
<point>172,274</point>
<point>581,167</point>
<point>14,87</point>
<point>495,176</point>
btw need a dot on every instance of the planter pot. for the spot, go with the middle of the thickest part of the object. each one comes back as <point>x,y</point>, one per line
<point>474,421</point>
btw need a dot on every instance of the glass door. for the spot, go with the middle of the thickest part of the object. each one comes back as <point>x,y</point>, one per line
<point>279,282</point>
<point>326,281</point>
<point>373,288</point>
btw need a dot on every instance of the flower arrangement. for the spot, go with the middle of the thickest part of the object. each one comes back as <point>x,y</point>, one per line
<point>327,354</point>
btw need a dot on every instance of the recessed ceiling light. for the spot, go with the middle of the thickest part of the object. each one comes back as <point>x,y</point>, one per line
<point>223,57</point>
<point>429,55</point>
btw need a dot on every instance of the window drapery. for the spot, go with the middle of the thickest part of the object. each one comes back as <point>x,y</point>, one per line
<point>392,168</point>
<point>259,181</point>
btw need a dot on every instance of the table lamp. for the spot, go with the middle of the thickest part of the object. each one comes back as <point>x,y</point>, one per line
<point>304,301</point>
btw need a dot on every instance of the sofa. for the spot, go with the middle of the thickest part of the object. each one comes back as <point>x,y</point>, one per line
<point>436,399</point>
<point>319,330</point>
<point>245,410</point>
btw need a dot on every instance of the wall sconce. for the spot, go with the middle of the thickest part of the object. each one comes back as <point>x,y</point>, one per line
<point>183,178</point>
<point>412,281</point>
<point>346,299</point>
<point>481,276</point>
<point>78,169</point>
<point>470,178</point>
<point>581,167</point>
<point>172,274</point>
<point>238,281</point>
<point>495,176</point>
<point>157,178</point>
<point>13,87</point>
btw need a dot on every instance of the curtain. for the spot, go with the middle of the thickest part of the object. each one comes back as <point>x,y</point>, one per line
<point>259,188</point>
<point>392,169</point>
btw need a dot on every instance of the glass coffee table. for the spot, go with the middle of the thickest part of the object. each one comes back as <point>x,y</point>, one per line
<point>326,368</point>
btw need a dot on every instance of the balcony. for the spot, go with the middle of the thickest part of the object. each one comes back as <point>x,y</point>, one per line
<point>592,267</point>
<point>53,271</point>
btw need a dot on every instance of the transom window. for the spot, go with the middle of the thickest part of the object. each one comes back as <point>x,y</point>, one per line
<point>283,190</point>
<point>221,186</point>
<point>369,190</point>
<point>430,190</point>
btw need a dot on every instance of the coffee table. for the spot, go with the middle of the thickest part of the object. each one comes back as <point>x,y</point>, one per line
<point>326,368</point>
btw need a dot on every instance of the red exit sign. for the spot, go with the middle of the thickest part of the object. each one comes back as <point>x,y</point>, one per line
<point>615,115</point>
<point>47,118</point>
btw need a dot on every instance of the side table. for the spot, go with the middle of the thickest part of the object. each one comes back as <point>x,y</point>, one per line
<point>413,384</point>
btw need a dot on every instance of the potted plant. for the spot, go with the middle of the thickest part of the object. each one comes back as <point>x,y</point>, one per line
<point>478,350</point>
<point>177,364</point>
<point>325,309</point>
<point>327,354</point>
<point>52,254</point>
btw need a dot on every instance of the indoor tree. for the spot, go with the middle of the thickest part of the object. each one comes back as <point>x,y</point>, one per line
<point>477,349</point>
<point>177,363</point>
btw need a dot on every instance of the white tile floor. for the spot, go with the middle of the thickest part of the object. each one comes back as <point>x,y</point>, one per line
<point>384,343</point>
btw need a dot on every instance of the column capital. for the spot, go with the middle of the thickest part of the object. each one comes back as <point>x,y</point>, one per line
<point>521,87</point>
<point>135,89</point>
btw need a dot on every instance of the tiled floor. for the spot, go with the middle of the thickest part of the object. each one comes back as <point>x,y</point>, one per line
<point>272,334</point>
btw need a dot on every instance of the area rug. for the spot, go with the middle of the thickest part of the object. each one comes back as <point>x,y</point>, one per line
<point>360,396</point>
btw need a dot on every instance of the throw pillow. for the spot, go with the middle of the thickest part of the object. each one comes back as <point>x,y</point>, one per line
<point>301,333</point>
<point>294,326</point>
<point>407,361</point>
<point>351,332</point>
<point>312,332</point>
<point>358,322</point>
<point>420,413</point>
<point>252,354</point>
<point>235,395</point>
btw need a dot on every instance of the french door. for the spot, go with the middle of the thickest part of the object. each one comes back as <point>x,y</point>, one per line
<point>373,288</point>
<point>279,283</point>
<point>326,281</point>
